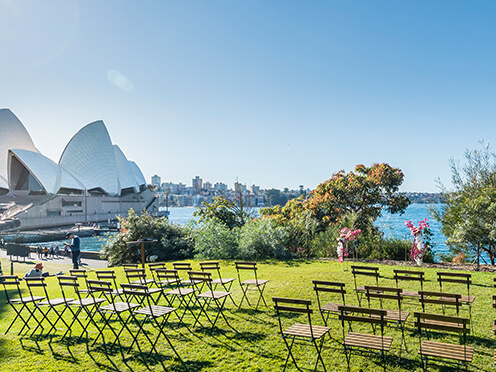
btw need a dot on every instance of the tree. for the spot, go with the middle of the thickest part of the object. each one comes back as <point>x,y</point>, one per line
<point>228,212</point>
<point>468,216</point>
<point>366,191</point>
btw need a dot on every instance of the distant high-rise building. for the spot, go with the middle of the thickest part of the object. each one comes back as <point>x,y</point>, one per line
<point>219,186</point>
<point>207,186</point>
<point>197,184</point>
<point>255,189</point>
<point>156,181</point>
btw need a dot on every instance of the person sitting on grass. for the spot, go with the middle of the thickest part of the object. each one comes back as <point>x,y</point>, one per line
<point>36,272</point>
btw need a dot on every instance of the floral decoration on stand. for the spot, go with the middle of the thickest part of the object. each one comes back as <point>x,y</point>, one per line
<point>418,247</point>
<point>345,235</point>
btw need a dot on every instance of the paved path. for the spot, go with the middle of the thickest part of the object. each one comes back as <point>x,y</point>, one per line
<point>51,265</point>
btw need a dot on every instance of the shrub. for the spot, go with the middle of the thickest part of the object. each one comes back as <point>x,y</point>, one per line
<point>215,240</point>
<point>261,238</point>
<point>172,241</point>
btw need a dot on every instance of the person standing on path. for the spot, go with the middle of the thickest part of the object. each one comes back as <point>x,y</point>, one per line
<point>75,248</point>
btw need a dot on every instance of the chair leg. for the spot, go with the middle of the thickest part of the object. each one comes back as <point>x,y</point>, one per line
<point>244,289</point>
<point>319,355</point>
<point>289,347</point>
<point>261,289</point>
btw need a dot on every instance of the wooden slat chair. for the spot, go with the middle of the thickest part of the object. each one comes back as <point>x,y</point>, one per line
<point>321,286</point>
<point>203,279</point>
<point>434,349</point>
<point>157,315</point>
<point>226,283</point>
<point>185,295</point>
<point>367,271</point>
<point>48,305</point>
<point>398,316</point>
<point>306,332</point>
<point>109,275</point>
<point>458,278</point>
<point>130,266</point>
<point>89,305</point>
<point>440,298</point>
<point>114,308</point>
<point>19,303</point>
<point>246,285</point>
<point>409,275</point>
<point>351,340</point>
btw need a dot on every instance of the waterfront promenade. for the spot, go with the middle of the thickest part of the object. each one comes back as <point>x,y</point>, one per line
<point>51,265</point>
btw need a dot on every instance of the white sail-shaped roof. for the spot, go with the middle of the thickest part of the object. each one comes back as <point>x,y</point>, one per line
<point>89,157</point>
<point>13,136</point>
<point>137,173</point>
<point>124,170</point>
<point>44,170</point>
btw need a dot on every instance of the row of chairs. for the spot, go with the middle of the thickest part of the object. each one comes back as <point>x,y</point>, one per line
<point>378,317</point>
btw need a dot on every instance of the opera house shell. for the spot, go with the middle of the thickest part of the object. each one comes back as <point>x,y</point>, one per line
<point>92,182</point>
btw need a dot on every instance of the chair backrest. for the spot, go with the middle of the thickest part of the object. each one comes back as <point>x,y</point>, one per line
<point>200,278</point>
<point>9,282</point>
<point>169,276</point>
<point>443,323</point>
<point>79,273</point>
<point>293,305</point>
<point>182,266</point>
<point>154,266</point>
<point>38,282</point>
<point>136,291</point>
<point>440,298</point>
<point>384,293</point>
<point>329,287</point>
<point>100,286</point>
<point>449,277</point>
<point>130,266</point>
<point>365,271</point>
<point>350,313</point>
<point>136,275</point>
<point>69,282</point>
<point>211,266</point>
<point>107,275</point>
<point>409,275</point>
<point>246,266</point>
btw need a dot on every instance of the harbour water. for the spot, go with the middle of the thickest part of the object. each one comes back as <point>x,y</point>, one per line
<point>391,225</point>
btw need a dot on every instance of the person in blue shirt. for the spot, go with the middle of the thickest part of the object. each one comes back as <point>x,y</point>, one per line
<point>75,248</point>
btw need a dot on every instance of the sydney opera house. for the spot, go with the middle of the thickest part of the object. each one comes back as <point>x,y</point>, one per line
<point>92,182</point>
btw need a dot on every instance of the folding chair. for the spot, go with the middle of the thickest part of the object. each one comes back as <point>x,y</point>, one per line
<point>130,266</point>
<point>19,303</point>
<point>458,278</point>
<point>409,275</point>
<point>158,315</point>
<point>352,340</point>
<point>209,297</point>
<point>112,309</point>
<point>49,305</point>
<point>460,353</point>
<point>329,287</point>
<point>306,332</point>
<point>226,283</point>
<point>258,284</point>
<point>363,271</point>
<point>185,295</point>
<point>88,304</point>
<point>388,293</point>
<point>441,298</point>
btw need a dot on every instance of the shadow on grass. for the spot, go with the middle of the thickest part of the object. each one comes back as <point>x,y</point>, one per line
<point>154,359</point>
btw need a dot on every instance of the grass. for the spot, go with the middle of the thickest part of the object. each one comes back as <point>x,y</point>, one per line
<point>257,345</point>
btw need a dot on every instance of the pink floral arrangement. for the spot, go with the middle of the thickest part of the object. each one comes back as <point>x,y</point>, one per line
<point>345,235</point>
<point>418,247</point>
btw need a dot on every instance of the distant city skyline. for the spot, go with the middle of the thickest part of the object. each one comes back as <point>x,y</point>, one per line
<point>276,94</point>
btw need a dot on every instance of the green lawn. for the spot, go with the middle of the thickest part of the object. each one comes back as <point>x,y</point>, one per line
<point>257,345</point>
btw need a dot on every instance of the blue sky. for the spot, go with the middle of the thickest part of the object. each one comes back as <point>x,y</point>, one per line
<point>274,93</point>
